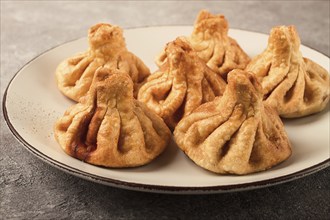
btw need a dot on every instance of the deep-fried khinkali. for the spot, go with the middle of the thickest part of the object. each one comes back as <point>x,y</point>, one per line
<point>294,85</point>
<point>181,84</point>
<point>211,42</point>
<point>235,133</point>
<point>108,127</point>
<point>106,47</point>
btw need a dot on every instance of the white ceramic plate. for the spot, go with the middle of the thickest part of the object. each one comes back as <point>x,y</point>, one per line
<point>32,103</point>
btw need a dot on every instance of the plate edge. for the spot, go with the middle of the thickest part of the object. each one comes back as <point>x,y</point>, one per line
<point>159,188</point>
<point>150,187</point>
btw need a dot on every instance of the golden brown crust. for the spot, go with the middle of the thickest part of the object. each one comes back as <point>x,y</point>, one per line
<point>181,84</point>
<point>106,48</point>
<point>108,127</point>
<point>294,85</point>
<point>235,133</point>
<point>211,42</point>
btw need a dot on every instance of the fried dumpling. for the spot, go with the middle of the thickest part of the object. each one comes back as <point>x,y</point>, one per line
<point>294,85</point>
<point>235,133</point>
<point>181,84</point>
<point>211,42</point>
<point>106,47</point>
<point>108,127</point>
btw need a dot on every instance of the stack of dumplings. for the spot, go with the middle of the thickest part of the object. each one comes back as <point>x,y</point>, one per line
<point>224,108</point>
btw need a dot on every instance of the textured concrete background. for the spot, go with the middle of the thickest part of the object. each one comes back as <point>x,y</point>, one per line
<point>31,189</point>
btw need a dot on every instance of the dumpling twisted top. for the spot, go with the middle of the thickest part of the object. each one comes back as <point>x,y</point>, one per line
<point>106,48</point>
<point>211,42</point>
<point>235,133</point>
<point>108,127</point>
<point>294,85</point>
<point>181,84</point>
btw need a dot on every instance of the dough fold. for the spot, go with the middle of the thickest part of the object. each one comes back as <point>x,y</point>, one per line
<point>108,127</point>
<point>181,84</point>
<point>107,48</point>
<point>293,85</point>
<point>235,133</point>
<point>212,44</point>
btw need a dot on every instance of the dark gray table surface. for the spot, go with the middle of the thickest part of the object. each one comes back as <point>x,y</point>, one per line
<point>32,189</point>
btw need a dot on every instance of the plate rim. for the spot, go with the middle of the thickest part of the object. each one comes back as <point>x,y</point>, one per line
<point>151,187</point>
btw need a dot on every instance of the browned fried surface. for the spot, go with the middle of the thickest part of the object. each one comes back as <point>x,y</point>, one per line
<point>235,133</point>
<point>211,42</point>
<point>294,85</point>
<point>182,83</point>
<point>109,127</point>
<point>106,48</point>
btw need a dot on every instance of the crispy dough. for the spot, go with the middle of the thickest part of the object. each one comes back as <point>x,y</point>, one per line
<point>181,84</point>
<point>211,42</point>
<point>108,127</point>
<point>235,133</point>
<point>294,85</point>
<point>106,48</point>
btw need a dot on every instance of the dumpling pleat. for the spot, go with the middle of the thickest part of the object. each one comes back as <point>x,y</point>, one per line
<point>107,139</point>
<point>218,85</point>
<point>194,92</point>
<point>108,127</point>
<point>238,155</point>
<point>285,76</point>
<point>189,83</point>
<point>200,128</point>
<point>207,92</point>
<point>107,48</point>
<point>235,133</point>
<point>153,138</point>
<point>223,133</point>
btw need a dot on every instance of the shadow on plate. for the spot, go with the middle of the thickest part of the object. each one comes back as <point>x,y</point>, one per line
<point>307,119</point>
